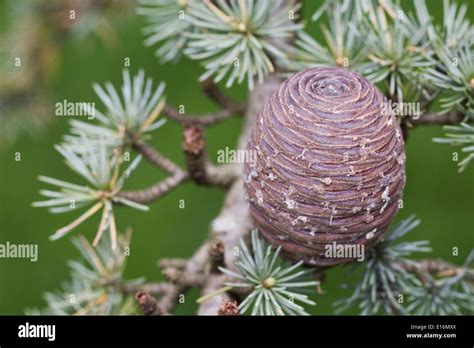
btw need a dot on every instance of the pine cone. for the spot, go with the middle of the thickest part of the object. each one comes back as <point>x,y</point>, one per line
<point>329,165</point>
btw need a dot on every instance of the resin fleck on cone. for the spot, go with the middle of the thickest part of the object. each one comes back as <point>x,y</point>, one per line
<point>330,165</point>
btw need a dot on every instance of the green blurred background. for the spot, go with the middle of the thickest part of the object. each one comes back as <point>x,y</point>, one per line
<point>435,192</point>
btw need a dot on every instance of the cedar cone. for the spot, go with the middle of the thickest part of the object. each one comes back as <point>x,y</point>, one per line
<point>329,168</point>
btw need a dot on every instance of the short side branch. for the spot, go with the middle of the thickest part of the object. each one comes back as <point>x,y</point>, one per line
<point>156,158</point>
<point>439,268</point>
<point>448,118</point>
<point>156,191</point>
<point>225,102</point>
<point>208,119</point>
<point>161,188</point>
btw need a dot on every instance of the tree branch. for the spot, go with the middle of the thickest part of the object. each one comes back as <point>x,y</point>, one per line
<point>440,268</point>
<point>151,288</point>
<point>208,119</point>
<point>156,158</point>
<point>156,191</point>
<point>453,117</point>
<point>191,273</point>
<point>228,105</point>
<point>200,169</point>
<point>178,175</point>
<point>225,102</point>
